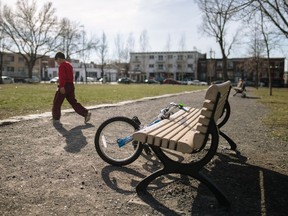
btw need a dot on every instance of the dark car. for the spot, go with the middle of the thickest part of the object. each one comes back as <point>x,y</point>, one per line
<point>171,81</point>
<point>151,81</point>
<point>33,79</point>
<point>125,80</point>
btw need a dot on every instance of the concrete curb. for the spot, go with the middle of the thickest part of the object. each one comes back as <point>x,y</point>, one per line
<point>48,114</point>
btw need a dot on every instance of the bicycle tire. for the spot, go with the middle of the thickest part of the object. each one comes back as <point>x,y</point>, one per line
<point>106,141</point>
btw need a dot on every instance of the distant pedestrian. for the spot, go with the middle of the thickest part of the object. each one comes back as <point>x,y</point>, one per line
<point>66,90</point>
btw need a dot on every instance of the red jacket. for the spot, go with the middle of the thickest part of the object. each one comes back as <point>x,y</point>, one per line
<point>65,74</point>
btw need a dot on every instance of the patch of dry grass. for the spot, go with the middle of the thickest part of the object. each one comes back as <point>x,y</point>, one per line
<point>277,118</point>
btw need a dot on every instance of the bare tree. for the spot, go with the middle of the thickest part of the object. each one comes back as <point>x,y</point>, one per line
<point>144,41</point>
<point>268,36</point>
<point>277,12</point>
<point>2,44</point>
<point>144,47</point>
<point>182,42</point>
<point>120,48</point>
<point>85,46</point>
<point>268,41</point>
<point>130,47</point>
<point>102,52</point>
<point>69,37</point>
<point>217,15</point>
<point>32,32</point>
<point>168,43</point>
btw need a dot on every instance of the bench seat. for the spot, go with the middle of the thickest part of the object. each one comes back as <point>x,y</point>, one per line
<point>184,131</point>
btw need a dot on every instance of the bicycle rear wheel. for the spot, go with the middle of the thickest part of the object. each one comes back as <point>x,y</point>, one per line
<point>109,137</point>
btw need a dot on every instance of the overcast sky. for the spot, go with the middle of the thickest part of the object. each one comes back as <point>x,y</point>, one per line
<point>160,18</point>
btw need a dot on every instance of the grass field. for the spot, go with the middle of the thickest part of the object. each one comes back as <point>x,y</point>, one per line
<point>22,99</point>
<point>277,119</point>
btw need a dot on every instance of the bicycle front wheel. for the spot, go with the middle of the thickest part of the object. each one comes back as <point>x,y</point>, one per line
<point>114,143</point>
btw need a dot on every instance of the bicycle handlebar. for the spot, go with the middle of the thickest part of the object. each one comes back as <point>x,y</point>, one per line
<point>165,113</point>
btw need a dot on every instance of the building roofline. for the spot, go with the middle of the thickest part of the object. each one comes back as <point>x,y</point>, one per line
<point>165,52</point>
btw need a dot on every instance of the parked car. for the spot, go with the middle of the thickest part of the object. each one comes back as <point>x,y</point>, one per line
<point>33,79</point>
<point>126,80</point>
<point>7,79</point>
<point>197,82</point>
<point>217,82</point>
<point>92,79</point>
<point>171,81</point>
<point>151,81</point>
<point>54,80</point>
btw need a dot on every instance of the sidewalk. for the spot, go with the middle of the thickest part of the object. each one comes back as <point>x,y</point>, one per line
<point>48,114</point>
<point>56,170</point>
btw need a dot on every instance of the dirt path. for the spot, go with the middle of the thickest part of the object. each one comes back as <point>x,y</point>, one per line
<point>56,171</point>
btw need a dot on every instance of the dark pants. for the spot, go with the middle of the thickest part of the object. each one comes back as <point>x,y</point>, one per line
<point>70,96</point>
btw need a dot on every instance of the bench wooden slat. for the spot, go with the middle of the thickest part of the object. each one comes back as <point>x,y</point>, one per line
<point>142,134</point>
<point>173,141</point>
<point>179,131</point>
<point>167,128</point>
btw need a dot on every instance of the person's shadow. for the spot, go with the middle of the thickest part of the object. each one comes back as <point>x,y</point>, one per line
<point>75,140</point>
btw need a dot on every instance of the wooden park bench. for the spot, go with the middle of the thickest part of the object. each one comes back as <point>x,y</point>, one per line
<point>240,88</point>
<point>190,132</point>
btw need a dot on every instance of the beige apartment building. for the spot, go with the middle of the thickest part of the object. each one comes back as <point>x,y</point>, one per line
<point>180,65</point>
<point>14,65</point>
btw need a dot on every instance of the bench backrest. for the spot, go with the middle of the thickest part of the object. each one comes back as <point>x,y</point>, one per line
<point>187,131</point>
<point>213,108</point>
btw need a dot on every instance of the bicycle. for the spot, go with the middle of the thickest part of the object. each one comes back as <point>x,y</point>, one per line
<point>113,139</point>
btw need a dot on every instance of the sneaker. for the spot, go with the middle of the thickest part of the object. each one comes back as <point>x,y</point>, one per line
<point>55,120</point>
<point>87,117</point>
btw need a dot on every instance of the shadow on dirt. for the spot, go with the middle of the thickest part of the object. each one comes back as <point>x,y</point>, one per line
<point>251,190</point>
<point>75,140</point>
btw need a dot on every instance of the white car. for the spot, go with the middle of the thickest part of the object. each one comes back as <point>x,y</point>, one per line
<point>54,80</point>
<point>197,82</point>
<point>7,80</point>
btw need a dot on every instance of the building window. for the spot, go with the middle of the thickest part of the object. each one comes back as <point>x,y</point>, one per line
<point>190,56</point>
<point>10,69</point>
<point>230,64</point>
<point>160,57</point>
<point>180,57</point>
<point>160,66</point>
<point>10,58</point>
<point>170,56</point>
<point>151,57</point>
<point>21,69</point>
<point>170,65</point>
<point>190,66</point>
<point>137,67</point>
<point>21,59</point>
<point>179,66</point>
<point>151,65</point>
<point>219,64</point>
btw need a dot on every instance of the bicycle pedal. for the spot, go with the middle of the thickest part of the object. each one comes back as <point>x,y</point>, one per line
<point>136,120</point>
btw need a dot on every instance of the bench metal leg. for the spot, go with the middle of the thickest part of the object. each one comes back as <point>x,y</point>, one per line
<point>142,186</point>
<point>229,140</point>
<point>191,169</point>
